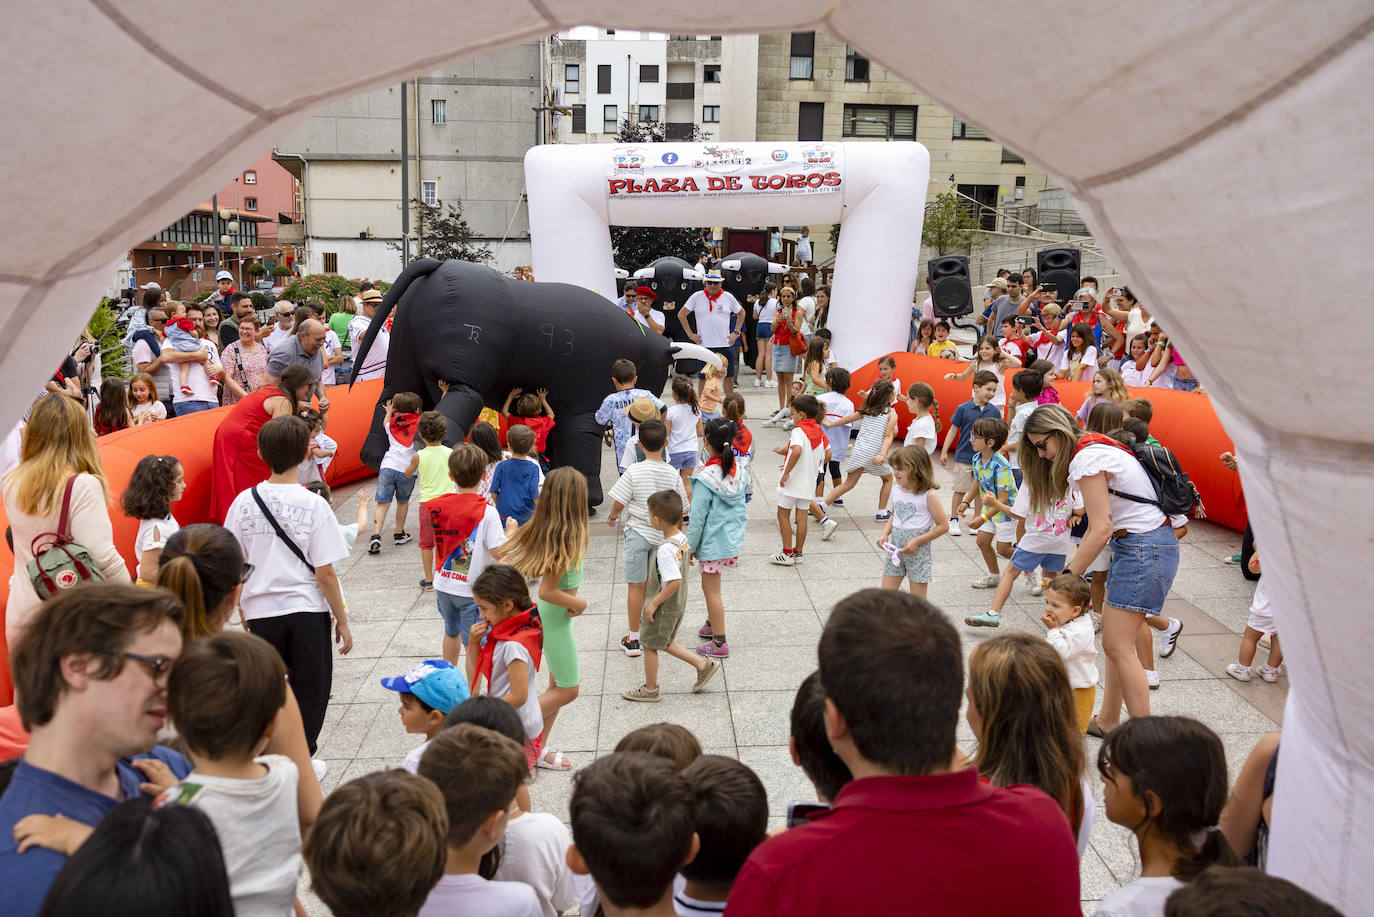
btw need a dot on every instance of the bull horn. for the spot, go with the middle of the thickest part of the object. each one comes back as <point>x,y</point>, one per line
<point>731,265</point>
<point>775,268</point>
<point>644,273</point>
<point>692,273</point>
<point>621,273</point>
<point>683,350</point>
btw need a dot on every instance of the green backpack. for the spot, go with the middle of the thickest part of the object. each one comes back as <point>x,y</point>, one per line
<point>58,562</point>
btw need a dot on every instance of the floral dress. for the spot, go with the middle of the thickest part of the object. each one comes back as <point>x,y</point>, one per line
<point>247,367</point>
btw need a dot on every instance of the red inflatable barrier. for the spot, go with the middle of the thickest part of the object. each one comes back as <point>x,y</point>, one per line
<point>1183,421</point>
<point>191,439</point>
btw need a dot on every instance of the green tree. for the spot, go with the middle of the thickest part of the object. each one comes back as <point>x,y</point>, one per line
<point>635,247</point>
<point>949,225</point>
<point>446,235</point>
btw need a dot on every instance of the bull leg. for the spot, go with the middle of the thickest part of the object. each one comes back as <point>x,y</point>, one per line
<point>576,441</point>
<point>460,407</point>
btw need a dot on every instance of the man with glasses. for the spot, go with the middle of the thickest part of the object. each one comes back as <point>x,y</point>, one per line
<point>281,330</point>
<point>304,347</point>
<point>152,358</point>
<point>90,678</point>
<point>710,318</point>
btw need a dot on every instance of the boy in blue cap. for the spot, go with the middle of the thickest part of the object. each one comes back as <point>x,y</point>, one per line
<point>428,692</point>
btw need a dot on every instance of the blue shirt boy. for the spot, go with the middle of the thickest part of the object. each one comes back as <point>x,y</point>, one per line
<point>515,485</point>
<point>965,415</point>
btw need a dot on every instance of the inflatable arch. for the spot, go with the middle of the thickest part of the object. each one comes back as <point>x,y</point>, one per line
<point>1214,168</point>
<point>876,191</point>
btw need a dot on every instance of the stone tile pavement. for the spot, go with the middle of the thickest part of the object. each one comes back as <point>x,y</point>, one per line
<point>774,618</point>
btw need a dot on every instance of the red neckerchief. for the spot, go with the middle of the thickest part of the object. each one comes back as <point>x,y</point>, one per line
<point>454,519</point>
<point>524,628</point>
<point>743,442</point>
<point>1097,439</point>
<point>715,460</point>
<point>711,300</point>
<point>403,425</point>
<point>812,431</point>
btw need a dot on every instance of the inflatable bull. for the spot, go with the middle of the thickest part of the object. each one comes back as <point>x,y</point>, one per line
<point>744,275</point>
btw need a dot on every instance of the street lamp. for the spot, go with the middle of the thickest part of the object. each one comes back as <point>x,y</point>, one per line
<point>885,122</point>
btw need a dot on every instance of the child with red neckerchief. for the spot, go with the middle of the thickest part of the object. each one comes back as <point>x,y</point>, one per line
<point>401,423</point>
<point>806,452</point>
<point>510,658</point>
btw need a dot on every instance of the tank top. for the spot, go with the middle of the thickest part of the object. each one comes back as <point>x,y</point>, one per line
<point>910,512</point>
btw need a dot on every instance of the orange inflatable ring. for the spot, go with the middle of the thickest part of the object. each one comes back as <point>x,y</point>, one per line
<point>1183,421</point>
<point>191,440</point>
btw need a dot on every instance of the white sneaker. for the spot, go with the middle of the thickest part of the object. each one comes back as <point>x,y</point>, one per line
<point>783,560</point>
<point>1169,642</point>
<point>955,527</point>
<point>988,582</point>
<point>771,384</point>
<point>828,527</point>
<point>321,768</point>
<point>1035,578</point>
<point>1270,675</point>
<point>1238,672</point>
<point>1152,679</point>
<point>1097,621</point>
<point>758,383</point>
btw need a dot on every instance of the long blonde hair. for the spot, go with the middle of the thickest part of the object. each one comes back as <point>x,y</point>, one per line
<point>58,443</point>
<point>555,539</point>
<point>1048,479</point>
<point>1116,385</point>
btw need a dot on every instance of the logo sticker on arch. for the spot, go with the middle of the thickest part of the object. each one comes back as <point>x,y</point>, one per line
<point>717,170</point>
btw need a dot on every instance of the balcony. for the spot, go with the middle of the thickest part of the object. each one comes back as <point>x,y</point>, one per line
<point>681,91</point>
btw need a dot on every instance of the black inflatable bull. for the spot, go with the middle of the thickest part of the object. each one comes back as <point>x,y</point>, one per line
<point>672,280</point>
<point>484,333</point>
<point>743,275</point>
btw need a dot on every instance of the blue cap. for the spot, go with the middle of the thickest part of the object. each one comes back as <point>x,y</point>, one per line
<point>433,681</point>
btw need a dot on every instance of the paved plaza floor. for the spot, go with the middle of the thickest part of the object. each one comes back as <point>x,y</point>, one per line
<point>774,617</point>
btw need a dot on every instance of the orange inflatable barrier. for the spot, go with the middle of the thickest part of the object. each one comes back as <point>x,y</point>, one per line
<point>1183,421</point>
<point>191,440</point>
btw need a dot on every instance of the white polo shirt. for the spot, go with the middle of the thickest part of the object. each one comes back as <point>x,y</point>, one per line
<point>713,319</point>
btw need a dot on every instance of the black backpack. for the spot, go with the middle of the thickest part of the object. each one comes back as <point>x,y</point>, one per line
<point>1176,495</point>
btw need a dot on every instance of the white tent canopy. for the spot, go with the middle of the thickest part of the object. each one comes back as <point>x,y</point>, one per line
<point>1214,148</point>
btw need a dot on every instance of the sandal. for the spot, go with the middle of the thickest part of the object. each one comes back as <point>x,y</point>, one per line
<point>1094,729</point>
<point>427,585</point>
<point>560,761</point>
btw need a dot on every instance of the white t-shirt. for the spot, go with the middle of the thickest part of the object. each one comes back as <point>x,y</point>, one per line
<point>258,831</point>
<point>277,335</point>
<point>155,408</point>
<point>910,511</point>
<point>397,456</point>
<point>455,896</point>
<point>1142,898</point>
<point>1088,361</point>
<point>713,320</point>
<point>411,763</point>
<point>766,311</point>
<point>324,442</point>
<point>490,533</point>
<point>682,437</point>
<point>331,346</point>
<point>152,533</point>
<point>807,305</point>
<point>654,314</point>
<point>280,583</point>
<point>1137,377</point>
<point>375,368</point>
<point>508,651</point>
<point>198,378</point>
<point>1050,346</point>
<point>837,406</point>
<point>142,353</point>
<point>535,853</point>
<point>1015,429</point>
<point>1166,379</point>
<point>1075,645</point>
<point>922,427</point>
<point>670,556</point>
<point>1124,474</point>
<point>640,481</point>
<point>802,480</point>
<point>1047,532</point>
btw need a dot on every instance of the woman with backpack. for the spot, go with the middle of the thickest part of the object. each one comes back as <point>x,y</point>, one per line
<point>59,446</point>
<point>1122,507</point>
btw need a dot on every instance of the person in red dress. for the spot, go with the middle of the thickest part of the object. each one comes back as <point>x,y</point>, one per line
<point>237,465</point>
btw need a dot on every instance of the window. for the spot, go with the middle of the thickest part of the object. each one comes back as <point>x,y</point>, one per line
<point>648,73</point>
<point>331,262</point>
<point>710,73</point>
<point>572,79</point>
<point>964,131</point>
<point>429,192</point>
<point>250,203</point>
<point>877,120</point>
<point>579,125</point>
<point>438,111</point>
<point>603,78</point>
<point>803,55</point>
<point>250,177</point>
<point>610,119</point>
<point>855,65</point>
<point>1010,156</point>
<point>681,91</point>
<point>610,31</point>
<point>648,112</point>
<point>811,121</point>
<point>710,113</point>
<point>685,130</point>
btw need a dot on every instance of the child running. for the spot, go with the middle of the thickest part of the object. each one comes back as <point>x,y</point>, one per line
<point>509,657</point>
<point>992,478</point>
<point>877,427</point>
<point>918,518</point>
<point>804,456</point>
<point>1070,631</point>
<point>716,535</point>
<point>432,464</point>
<point>1259,624</point>
<point>683,421</point>
<point>663,613</point>
<point>1164,779</point>
<point>158,481</point>
<point>925,418</point>
<point>552,547</point>
<point>837,406</point>
<point>961,433</point>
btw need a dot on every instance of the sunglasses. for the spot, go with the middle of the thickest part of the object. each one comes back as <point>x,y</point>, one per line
<point>157,665</point>
<point>1038,446</point>
<point>247,572</point>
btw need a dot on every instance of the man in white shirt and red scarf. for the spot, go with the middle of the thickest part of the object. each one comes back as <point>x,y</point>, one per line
<point>711,317</point>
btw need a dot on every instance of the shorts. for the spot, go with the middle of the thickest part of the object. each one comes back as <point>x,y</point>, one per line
<point>834,473</point>
<point>784,360</point>
<point>1004,532</point>
<point>560,650</point>
<point>635,554</point>
<point>1027,561</point>
<point>1016,476</point>
<point>963,477</point>
<point>787,502</point>
<point>681,460</point>
<point>1185,385</point>
<point>459,613</point>
<point>729,354</point>
<point>1083,700</point>
<point>662,630</point>
<point>426,528</point>
<point>391,483</point>
<point>718,566</point>
<point>1102,561</point>
<point>763,331</point>
<point>1142,570</point>
<point>915,567</point>
<point>708,416</point>
<point>1261,616</point>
